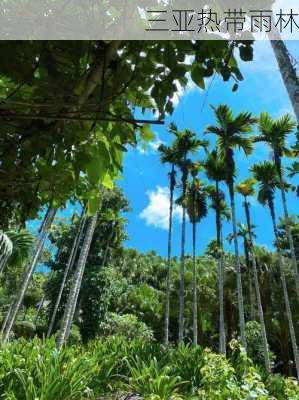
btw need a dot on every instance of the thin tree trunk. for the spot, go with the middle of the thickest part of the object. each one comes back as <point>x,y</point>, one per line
<point>288,73</point>
<point>69,266</point>
<point>6,248</point>
<point>222,339</point>
<point>38,248</point>
<point>76,283</point>
<point>238,268</point>
<point>168,278</point>
<point>285,290</point>
<point>182,268</point>
<point>194,285</point>
<point>289,235</point>
<point>251,294</point>
<point>257,291</point>
<point>41,303</point>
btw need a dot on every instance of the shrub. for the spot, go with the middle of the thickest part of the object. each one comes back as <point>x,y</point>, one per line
<point>25,329</point>
<point>152,381</point>
<point>36,370</point>
<point>127,325</point>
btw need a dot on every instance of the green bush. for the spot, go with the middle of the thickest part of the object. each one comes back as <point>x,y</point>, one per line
<point>31,370</point>
<point>34,369</point>
<point>127,325</point>
<point>25,329</point>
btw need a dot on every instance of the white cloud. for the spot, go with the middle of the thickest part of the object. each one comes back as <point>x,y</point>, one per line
<point>156,213</point>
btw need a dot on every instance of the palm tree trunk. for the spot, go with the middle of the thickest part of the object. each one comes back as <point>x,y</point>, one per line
<point>289,234</point>
<point>37,250</point>
<point>182,268</point>
<point>168,278</point>
<point>40,306</point>
<point>69,266</point>
<point>284,288</point>
<point>251,294</point>
<point>257,291</point>
<point>238,267</point>
<point>288,73</point>
<point>194,284</point>
<point>222,338</point>
<point>6,248</point>
<point>76,283</point>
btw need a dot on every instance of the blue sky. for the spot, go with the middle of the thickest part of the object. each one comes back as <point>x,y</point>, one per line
<point>145,180</point>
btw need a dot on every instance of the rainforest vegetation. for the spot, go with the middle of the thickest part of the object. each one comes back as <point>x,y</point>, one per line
<point>100,320</point>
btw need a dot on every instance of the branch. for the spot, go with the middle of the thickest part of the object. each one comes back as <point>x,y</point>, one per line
<point>134,122</point>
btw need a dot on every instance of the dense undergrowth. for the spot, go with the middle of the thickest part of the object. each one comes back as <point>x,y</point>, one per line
<point>35,370</point>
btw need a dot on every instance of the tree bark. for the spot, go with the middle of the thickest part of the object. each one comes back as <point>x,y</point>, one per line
<point>40,306</point>
<point>285,290</point>
<point>37,250</point>
<point>76,283</point>
<point>289,234</point>
<point>6,248</point>
<point>168,278</point>
<point>251,294</point>
<point>288,73</point>
<point>257,291</point>
<point>194,284</point>
<point>69,266</point>
<point>182,267</point>
<point>222,338</point>
<point>238,268</point>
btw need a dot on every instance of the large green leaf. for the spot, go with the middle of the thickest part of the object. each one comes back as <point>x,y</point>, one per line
<point>197,75</point>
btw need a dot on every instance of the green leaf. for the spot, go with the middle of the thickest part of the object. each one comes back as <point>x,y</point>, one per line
<point>146,133</point>
<point>108,181</point>
<point>197,75</point>
<point>99,164</point>
<point>93,204</point>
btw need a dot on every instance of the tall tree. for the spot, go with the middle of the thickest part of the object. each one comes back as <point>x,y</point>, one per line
<point>27,276</point>
<point>215,170</point>
<point>267,176</point>
<point>72,299</point>
<point>68,268</point>
<point>232,132</point>
<point>275,134</point>
<point>168,155</point>
<point>196,203</point>
<point>184,144</point>
<point>246,189</point>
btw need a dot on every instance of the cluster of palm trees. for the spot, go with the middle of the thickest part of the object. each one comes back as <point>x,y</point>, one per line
<point>232,132</point>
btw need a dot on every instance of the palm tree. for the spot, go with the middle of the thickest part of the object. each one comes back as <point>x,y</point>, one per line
<point>196,204</point>
<point>293,169</point>
<point>185,143</point>
<point>246,189</point>
<point>215,170</point>
<point>72,299</point>
<point>268,178</point>
<point>5,249</point>
<point>69,266</point>
<point>168,155</point>
<point>232,132</point>
<point>275,133</point>
<point>22,242</point>
<point>36,253</point>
